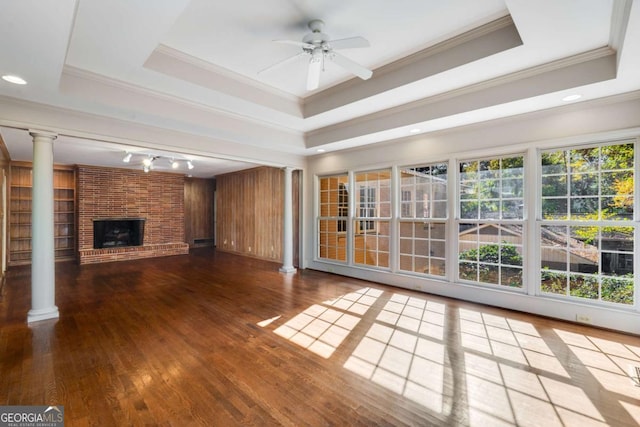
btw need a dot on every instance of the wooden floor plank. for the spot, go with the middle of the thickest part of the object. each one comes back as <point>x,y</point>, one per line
<point>181,341</point>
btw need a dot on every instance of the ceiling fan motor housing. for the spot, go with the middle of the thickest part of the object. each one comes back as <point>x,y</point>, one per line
<point>316,37</point>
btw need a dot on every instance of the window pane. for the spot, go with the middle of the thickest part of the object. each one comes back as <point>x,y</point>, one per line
<point>617,239</point>
<point>468,171</point>
<point>554,185</point>
<point>512,209</point>
<point>512,188</point>
<point>617,290</point>
<point>616,157</point>
<point>584,184</point>
<point>583,286</point>
<point>511,276</point>
<point>554,208</point>
<point>554,163</point>
<point>585,208</point>
<point>584,159</point>
<point>554,282</point>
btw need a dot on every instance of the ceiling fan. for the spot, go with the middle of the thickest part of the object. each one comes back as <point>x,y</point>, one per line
<point>319,47</point>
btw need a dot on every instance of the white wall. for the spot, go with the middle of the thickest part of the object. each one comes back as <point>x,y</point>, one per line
<point>587,122</point>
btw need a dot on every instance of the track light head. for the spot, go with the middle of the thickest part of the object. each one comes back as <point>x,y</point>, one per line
<point>189,164</point>
<point>127,158</point>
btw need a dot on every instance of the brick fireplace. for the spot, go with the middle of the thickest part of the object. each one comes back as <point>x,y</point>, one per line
<point>122,193</point>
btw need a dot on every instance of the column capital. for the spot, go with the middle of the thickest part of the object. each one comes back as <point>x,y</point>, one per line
<point>43,133</point>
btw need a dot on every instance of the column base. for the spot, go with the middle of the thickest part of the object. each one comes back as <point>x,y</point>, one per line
<point>43,314</point>
<point>284,269</point>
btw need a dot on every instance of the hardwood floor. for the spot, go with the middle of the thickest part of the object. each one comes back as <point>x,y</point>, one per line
<point>217,339</point>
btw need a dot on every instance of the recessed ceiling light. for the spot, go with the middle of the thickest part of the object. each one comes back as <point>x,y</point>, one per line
<point>14,79</point>
<point>573,97</point>
<point>414,130</point>
<point>320,150</point>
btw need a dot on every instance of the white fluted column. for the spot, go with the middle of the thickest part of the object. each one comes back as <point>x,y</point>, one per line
<point>287,228</point>
<point>43,286</point>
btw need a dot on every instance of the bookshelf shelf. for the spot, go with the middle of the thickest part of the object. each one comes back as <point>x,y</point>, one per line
<point>64,193</point>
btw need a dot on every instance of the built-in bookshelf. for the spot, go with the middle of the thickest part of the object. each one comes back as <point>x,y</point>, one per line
<point>20,196</point>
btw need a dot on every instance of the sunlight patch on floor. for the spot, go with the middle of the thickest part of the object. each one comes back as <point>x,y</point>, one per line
<point>509,374</point>
<point>507,339</point>
<point>609,362</point>
<point>398,351</point>
<point>512,396</point>
<point>322,329</point>
<point>267,322</point>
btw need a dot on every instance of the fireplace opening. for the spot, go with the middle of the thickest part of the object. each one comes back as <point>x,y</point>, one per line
<point>118,232</point>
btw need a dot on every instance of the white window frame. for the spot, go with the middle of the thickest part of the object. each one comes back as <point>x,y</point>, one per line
<point>522,222</point>
<point>540,222</point>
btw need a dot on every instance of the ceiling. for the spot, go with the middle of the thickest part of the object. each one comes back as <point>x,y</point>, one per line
<point>182,78</point>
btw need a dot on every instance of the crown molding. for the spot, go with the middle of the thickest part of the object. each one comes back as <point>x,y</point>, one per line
<point>23,114</point>
<point>486,40</point>
<point>189,69</point>
<point>589,67</point>
<point>225,72</point>
<point>100,79</point>
<point>447,45</point>
<point>619,22</point>
<point>165,110</point>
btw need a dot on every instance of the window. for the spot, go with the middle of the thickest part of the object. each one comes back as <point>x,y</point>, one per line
<point>372,223</point>
<point>586,233</point>
<point>332,222</point>
<point>582,238</point>
<point>423,211</point>
<point>491,227</point>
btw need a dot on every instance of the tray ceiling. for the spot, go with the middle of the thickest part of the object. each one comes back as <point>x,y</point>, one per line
<point>183,76</point>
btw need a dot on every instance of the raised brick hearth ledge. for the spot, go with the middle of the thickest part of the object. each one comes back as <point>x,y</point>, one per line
<point>93,256</point>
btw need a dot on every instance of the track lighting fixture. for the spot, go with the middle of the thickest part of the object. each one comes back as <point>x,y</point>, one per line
<point>149,161</point>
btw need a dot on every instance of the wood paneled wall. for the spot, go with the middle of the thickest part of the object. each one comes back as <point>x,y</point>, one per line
<point>249,209</point>
<point>198,211</point>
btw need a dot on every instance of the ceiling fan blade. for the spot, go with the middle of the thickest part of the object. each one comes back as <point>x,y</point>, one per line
<point>350,43</point>
<point>295,43</point>
<point>351,66</point>
<point>283,62</point>
<point>313,74</point>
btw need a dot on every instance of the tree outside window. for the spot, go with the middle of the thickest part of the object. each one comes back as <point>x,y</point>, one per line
<point>587,233</point>
<point>490,232</point>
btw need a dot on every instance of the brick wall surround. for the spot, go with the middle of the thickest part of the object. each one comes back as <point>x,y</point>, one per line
<point>122,193</point>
